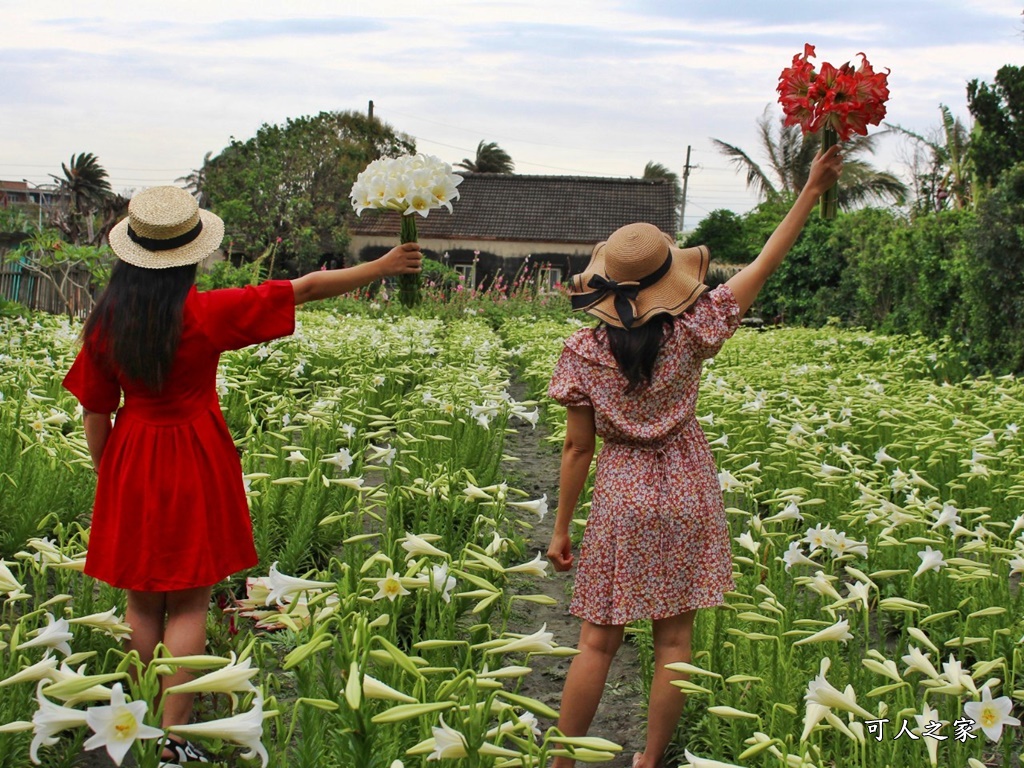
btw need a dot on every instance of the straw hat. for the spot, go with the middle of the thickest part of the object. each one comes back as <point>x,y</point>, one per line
<point>639,273</point>
<point>165,228</point>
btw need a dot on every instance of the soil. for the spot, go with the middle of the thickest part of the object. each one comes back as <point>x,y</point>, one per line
<point>622,714</point>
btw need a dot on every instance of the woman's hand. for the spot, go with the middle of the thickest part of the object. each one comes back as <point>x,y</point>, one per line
<point>560,551</point>
<point>404,259</point>
<point>825,170</point>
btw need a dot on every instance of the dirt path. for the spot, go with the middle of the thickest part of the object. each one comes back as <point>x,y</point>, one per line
<point>621,715</point>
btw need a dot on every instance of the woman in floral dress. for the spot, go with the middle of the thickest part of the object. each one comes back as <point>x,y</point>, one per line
<point>656,544</point>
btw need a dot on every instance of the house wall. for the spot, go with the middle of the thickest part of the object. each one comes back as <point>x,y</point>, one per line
<point>492,257</point>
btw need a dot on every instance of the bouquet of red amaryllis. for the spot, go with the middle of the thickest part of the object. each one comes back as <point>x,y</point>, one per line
<point>838,101</point>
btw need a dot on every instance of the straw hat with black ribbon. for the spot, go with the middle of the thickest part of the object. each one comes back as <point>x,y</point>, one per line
<point>639,273</point>
<point>165,228</point>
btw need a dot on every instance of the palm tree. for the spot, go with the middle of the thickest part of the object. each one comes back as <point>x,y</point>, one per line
<point>947,179</point>
<point>657,172</point>
<point>790,154</point>
<point>490,158</point>
<point>84,191</point>
<point>195,182</point>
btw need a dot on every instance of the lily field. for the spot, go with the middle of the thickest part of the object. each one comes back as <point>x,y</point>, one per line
<point>875,495</point>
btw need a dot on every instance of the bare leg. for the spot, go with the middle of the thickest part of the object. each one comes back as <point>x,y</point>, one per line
<point>585,682</point>
<point>145,615</point>
<point>185,635</point>
<point>671,644</point>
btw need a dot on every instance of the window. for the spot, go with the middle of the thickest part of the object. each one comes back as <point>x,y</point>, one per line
<point>468,274</point>
<point>549,279</point>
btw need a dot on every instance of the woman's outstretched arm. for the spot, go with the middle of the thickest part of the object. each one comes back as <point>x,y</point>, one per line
<point>577,453</point>
<point>747,283</point>
<point>401,260</point>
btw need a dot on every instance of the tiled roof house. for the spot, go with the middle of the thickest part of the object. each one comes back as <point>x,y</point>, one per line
<point>501,219</point>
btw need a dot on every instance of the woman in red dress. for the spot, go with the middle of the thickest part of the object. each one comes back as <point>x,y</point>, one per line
<point>656,544</point>
<point>170,517</point>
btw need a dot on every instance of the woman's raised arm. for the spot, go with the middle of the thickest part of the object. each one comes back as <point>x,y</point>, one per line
<point>747,283</point>
<point>401,260</point>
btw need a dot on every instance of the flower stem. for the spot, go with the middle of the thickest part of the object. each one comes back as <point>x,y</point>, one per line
<point>829,200</point>
<point>409,285</point>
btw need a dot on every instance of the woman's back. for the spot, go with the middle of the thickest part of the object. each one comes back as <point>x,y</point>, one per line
<point>587,374</point>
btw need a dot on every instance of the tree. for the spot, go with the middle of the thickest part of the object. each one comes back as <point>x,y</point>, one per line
<point>490,158</point>
<point>994,277</point>
<point>195,182</point>
<point>790,154</point>
<point>657,172</point>
<point>945,180</point>
<point>723,232</point>
<point>289,185</point>
<point>997,142</point>
<point>83,194</point>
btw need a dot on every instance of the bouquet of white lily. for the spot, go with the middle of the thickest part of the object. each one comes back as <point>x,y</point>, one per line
<point>407,184</point>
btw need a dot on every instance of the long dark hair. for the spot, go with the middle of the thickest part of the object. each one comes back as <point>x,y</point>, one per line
<point>139,316</point>
<point>636,350</point>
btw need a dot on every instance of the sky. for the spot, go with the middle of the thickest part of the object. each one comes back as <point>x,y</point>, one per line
<point>570,87</point>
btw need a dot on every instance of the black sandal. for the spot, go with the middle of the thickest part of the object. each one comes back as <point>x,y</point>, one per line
<point>184,752</point>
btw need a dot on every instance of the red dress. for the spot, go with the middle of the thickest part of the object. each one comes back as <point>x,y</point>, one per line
<point>170,510</point>
<point>656,542</point>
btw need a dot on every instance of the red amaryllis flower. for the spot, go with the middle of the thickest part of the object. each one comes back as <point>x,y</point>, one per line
<point>838,101</point>
<point>843,99</point>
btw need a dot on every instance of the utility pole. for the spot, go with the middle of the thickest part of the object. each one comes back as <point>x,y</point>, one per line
<point>686,178</point>
<point>369,112</point>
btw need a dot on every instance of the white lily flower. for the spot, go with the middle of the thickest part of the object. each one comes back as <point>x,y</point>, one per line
<point>728,482</point>
<point>931,560</point>
<point>821,691</point>
<point>859,592</point>
<point>1016,564</point>
<point>54,635</point>
<point>539,506</point>
<point>234,678</point>
<point>49,720</point>
<point>107,622</point>
<point>448,743</point>
<point>116,726</point>
<point>822,584</point>
<point>881,457</point>
<point>283,588</point>
<point>375,689</point>
<point>498,544</point>
<point>991,714</point>
<point>476,494</point>
<point>535,567</point>
<point>383,452</point>
<point>245,729</point>
<point>917,661</point>
<point>41,670</point>
<point>296,457</point>
<point>390,587</point>
<point>8,583</point>
<point>746,540</point>
<point>703,762</point>
<point>818,537</point>
<point>794,556</point>
<point>342,459</point>
<point>953,672</point>
<point>441,582</point>
<point>840,631</point>
<point>538,642</point>
<point>419,545</point>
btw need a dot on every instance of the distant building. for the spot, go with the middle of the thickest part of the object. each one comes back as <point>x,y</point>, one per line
<point>19,193</point>
<point>502,220</point>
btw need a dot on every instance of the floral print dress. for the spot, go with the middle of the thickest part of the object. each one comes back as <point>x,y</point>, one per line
<point>656,542</point>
